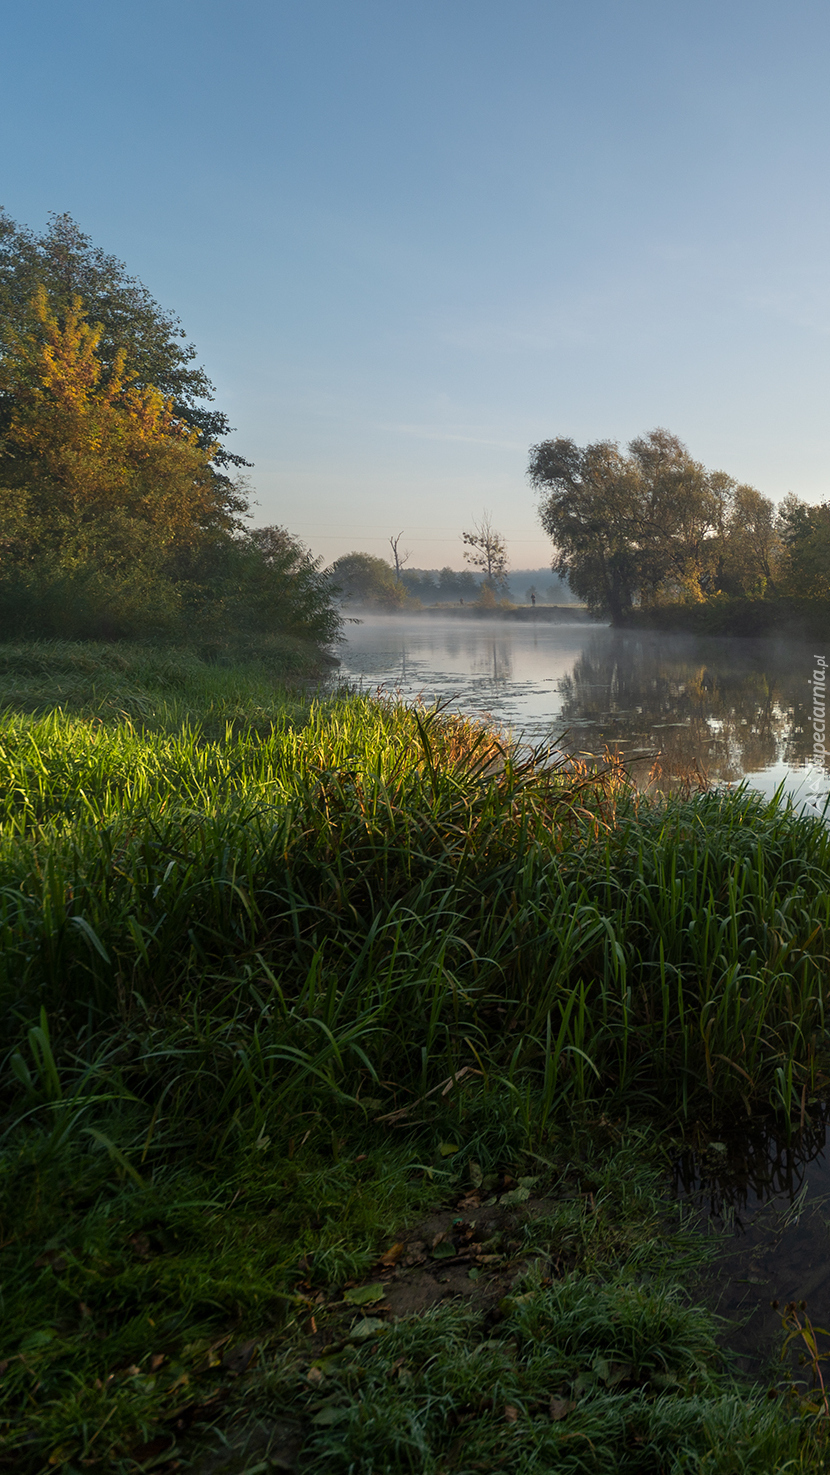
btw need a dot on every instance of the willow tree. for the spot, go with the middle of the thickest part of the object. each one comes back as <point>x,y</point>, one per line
<point>651,526</point>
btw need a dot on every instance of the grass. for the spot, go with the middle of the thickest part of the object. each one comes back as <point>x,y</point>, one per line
<point>277,978</point>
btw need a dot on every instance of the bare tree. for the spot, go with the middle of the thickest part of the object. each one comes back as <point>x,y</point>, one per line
<point>400,558</point>
<point>487,550</point>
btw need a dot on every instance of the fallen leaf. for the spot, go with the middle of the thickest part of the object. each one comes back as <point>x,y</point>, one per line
<point>560,1408</point>
<point>365,1295</point>
<point>444,1251</point>
<point>469,1201</point>
<point>511,1413</point>
<point>515,1196</point>
<point>237,1358</point>
<point>314,1376</point>
<point>447,1149</point>
<point>392,1255</point>
<point>156,1361</point>
<point>370,1326</point>
<point>476,1175</point>
<point>618,1372</point>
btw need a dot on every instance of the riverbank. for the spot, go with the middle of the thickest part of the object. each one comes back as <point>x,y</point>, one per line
<point>791,619</point>
<point>541,614</point>
<point>344,1055</point>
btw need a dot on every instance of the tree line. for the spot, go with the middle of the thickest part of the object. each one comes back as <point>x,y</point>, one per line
<point>655,527</point>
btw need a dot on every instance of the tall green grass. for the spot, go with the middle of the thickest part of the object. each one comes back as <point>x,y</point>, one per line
<point>382,895</point>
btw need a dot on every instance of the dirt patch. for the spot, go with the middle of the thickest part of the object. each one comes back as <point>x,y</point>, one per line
<point>470,1251</point>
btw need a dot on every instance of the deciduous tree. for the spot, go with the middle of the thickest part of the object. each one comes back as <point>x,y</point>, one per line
<point>486,550</point>
<point>650,526</point>
<point>154,345</point>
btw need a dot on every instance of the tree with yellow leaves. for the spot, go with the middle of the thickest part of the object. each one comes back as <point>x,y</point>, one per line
<point>105,491</point>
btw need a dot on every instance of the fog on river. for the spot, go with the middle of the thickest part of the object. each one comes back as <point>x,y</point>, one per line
<point>738,708</point>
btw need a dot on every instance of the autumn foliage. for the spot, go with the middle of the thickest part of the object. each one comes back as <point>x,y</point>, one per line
<point>114,519</point>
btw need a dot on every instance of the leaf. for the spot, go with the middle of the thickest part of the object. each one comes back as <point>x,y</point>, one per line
<point>447,1149</point>
<point>444,1251</point>
<point>370,1326</point>
<point>619,1372</point>
<point>473,1274</point>
<point>91,936</point>
<point>560,1408</point>
<point>476,1175</point>
<point>364,1295</point>
<point>515,1196</point>
<point>511,1413</point>
<point>392,1255</point>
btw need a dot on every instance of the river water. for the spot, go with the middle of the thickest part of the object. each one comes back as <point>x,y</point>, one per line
<point>734,709</point>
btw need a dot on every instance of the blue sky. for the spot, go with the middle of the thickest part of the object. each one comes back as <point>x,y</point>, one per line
<point>409,241</point>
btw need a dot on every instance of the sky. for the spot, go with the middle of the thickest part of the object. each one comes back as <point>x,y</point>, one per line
<point>411,241</point>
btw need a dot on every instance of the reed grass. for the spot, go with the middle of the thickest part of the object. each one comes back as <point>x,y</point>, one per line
<point>379,894</point>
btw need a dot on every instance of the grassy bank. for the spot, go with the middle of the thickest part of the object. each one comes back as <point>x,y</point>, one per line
<point>326,1024</point>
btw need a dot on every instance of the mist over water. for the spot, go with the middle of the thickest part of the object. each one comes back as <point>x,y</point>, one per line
<point>738,709</point>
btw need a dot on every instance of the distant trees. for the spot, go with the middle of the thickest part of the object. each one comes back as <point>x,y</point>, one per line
<point>441,586</point>
<point>486,550</point>
<point>652,525</point>
<point>362,579</point>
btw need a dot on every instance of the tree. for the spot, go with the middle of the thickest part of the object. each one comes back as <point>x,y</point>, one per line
<point>64,261</point>
<point>805,535</point>
<point>487,550</point>
<point>649,526</point>
<point>107,496</point>
<point>369,581</point>
<point>588,509</point>
<point>273,582</point>
<point>752,545</point>
<point>400,558</point>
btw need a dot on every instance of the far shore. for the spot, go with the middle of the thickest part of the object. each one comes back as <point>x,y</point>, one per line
<point>542,614</point>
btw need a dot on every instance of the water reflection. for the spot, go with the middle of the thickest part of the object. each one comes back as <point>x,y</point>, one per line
<point>736,708</point>
<point>765,1198</point>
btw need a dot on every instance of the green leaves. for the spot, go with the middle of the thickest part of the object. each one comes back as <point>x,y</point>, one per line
<point>364,1295</point>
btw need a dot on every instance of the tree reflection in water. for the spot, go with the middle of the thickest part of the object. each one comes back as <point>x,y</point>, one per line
<point>733,706</point>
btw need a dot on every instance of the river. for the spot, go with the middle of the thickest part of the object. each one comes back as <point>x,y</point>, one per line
<point>732,709</point>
